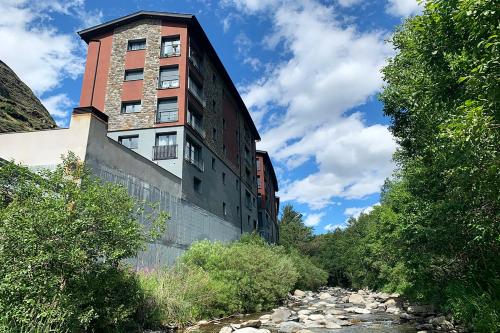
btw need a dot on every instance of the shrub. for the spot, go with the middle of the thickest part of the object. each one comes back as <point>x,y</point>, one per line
<point>63,235</point>
<point>311,277</point>
<point>250,275</point>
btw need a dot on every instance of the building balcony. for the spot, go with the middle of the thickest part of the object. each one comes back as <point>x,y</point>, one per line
<point>165,152</point>
<point>197,127</point>
<point>168,84</point>
<point>197,163</point>
<point>198,95</point>
<point>167,116</point>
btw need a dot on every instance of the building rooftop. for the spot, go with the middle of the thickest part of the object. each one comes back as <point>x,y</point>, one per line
<point>192,22</point>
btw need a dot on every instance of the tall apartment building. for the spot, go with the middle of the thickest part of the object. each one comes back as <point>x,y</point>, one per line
<point>268,202</point>
<point>169,98</point>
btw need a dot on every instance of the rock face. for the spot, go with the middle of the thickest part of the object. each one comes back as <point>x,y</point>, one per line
<point>20,109</point>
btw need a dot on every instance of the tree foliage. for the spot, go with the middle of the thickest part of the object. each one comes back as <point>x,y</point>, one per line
<point>293,232</point>
<point>63,235</point>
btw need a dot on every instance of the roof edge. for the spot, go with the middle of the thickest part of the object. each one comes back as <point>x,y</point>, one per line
<point>265,154</point>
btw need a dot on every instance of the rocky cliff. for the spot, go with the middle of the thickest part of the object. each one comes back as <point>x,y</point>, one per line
<point>20,109</point>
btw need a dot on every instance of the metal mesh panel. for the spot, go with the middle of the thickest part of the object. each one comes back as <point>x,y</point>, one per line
<point>187,224</point>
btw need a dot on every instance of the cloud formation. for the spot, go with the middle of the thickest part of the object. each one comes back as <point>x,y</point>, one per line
<point>403,7</point>
<point>313,219</point>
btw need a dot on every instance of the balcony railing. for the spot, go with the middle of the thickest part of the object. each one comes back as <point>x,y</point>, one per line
<point>167,116</point>
<point>197,127</point>
<point>197,163</point>
<point>166,84</point>
<point>165,152</point>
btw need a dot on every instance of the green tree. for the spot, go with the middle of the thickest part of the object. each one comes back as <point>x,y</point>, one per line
<point>63,236</point>
<point>293,232</point>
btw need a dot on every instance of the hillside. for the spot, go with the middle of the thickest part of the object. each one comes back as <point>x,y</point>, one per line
<point>20,109</point>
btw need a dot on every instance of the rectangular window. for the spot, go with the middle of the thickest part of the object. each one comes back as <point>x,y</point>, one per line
<point>136,44</point>
<point>167,111</point>
<point>248,199</point>
<point>193,154</point>
<point>196,89</point>
<point>258,164</point>
<point>196,122</point>
<point>165,146</point>
<point>134,74</point>
<point>258,182</point>
<point>195,56</point>
<point>169,77</point>
<point>131,107</point>
<point>224,211</point>
<point>224,178</point>
<point>197,185</point>
<point>130,141</point>
<point>213,163</point>
<point>224,150</point>
<point>238,211</point>
<point>171,47</point>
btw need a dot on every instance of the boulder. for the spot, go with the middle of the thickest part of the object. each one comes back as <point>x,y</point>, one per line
<point>343,322</point>
<point>390,302</point>
<point>265,317</point>
<point>406,316</point>
<point>317,317</point>
<point>393,309</point>
<point>313,324</point>
<point>356,299</point>
<point>305,331</point>
<point>324,296</point>
<point>332,325</point>
<point>289,327</point>
<point>304,312</point>
<point>251,330</point>
<point>280,315</point>
<point>336,312</point>
<point>251,323</point>
<point>226,329</point>
<point>441,322</point>
<point>357,310</point>
<point>299,293</point>
<point>421,309</point>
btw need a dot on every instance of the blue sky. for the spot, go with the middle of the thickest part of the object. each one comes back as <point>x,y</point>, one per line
<point>308,70</point>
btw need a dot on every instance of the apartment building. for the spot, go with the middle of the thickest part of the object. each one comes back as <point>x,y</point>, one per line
<point>268,202</point>
<point>169,98</point>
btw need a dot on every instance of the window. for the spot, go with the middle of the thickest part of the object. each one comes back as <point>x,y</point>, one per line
<point>167,110</point>
<point>248,199</point>
<point>131,107</point>
<point>193,154</point>
<point>214,77</point>
<point>213,163</point>
<point>134,74</point>
<point>254,225</point>
<point>165,146</point>
<point>224,211</point>
<point>197,184</point>
<point>214,133</point>
<point>196,122</point>
<point>223,123</point>
<point>196,89</point>
<point>237,184</point>
<point>224,150</point>
<point>247,154</point>
<point>195,56</point>
<point>136,44</point>
<point>224,178</point>
<point>258,181</point>
<point>171,47</point>
<point>169,77</point>
<point>131,141</point>
<point>247,173</point>
<point>248,220</point>
<point>238,211</point>
<point>258,164</point>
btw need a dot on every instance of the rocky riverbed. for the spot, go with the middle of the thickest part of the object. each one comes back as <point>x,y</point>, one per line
<point>339,310</point>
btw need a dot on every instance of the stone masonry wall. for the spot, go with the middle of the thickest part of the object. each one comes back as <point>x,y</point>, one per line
<point>151,30</point>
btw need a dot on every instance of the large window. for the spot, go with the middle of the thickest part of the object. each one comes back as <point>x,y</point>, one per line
<point>195,121</point>
<point>134,74</point>
<point>167,110</point>
<point>130,141</point>
<point>136,44</point>
<point>165,146</point>
<point>171,47</point>
<point>193,154</point>
<point>195,57</point>
<point>196,89</point>
<point>131,107</point>
<point>169,77</point>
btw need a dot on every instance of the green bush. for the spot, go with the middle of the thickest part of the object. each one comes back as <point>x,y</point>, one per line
<point>311,277</point>
<point>63,235</point>
<point>176,296</point>
<point>250,274</point>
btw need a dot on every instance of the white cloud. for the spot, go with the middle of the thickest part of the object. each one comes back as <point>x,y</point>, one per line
<point>313,219</point>
<point>403,7</point>
<point>330,68</point>
<point>34,49</point>
<point>59,106</point>
<point>357,211</point>
<point>332,227</point>
<point>347,3</point>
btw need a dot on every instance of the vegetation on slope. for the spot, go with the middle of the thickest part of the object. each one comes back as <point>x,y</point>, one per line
<point>20,109</point>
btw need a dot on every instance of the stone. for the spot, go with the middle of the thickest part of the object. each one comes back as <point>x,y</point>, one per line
<point>343,322</point>
<point>313,324</point>
<point>235,326</point>
<point>251,330</point>
<point>441,322</point>
<point>324,296</point>
<point>406,316</point>
<point>299,293</point>
<point>336,312</point>
<point>345,299</point>
<point>289,327</point>
<point>303,318</point>
<point>304,312</point>
<point>393,309</point>
<point>265,317</point>
<point>423,332</point>
<point>280,315</point>
<point>342,317</point>
<point>202,322</point>
<point>357,310</point>
<point>372,305</point>
<point>394,295</point>
<point>390,302</point>
<point>356,299</point>
<point>425,327</point>
<point>226,329</point>
<point>305,331</point>
<point>332,325</point>
<point>251,323</point>
<point>317,317</point>
<point>421,309</point>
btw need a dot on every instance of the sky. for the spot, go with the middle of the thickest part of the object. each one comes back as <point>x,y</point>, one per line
<point>308,71</point>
